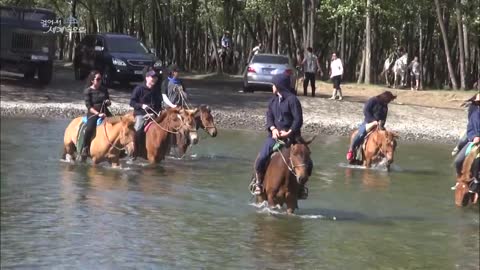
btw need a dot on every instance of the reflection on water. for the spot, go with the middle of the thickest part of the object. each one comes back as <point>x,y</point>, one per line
<point>197,214</point>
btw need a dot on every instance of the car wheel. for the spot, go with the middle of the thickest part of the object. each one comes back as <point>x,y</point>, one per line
<point>29,75</point>
<point>107,77</point>
<point>45,73</point>
<point>247,89</point>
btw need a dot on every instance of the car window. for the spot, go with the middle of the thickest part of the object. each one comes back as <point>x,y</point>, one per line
<point>270,59</point>
<point>129,45</point>
<point>8,13</point>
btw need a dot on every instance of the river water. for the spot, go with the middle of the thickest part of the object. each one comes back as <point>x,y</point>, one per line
<point>197,213</point>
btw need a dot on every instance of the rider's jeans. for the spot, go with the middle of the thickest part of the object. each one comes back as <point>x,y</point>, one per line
<point>460,158</point>
<point>362,132</point>
<point>267,149</point>
<point>139,121</point>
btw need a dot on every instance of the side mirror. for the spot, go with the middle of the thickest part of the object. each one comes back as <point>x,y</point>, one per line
<point>98,48</point>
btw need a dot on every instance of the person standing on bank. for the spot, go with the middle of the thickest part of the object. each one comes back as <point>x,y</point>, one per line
<point>310,67</point>
<point>336,73</point>
<point>97,100</point>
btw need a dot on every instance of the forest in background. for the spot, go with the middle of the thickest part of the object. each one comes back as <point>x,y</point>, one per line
<point>444,34</point>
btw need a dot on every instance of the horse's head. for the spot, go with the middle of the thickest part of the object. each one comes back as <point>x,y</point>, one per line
<point>189,125</point>
<point>205,120</point>
<point>300,160</point>
<point>463,196</point>
<point>127,132</point>
<point>388,143</point>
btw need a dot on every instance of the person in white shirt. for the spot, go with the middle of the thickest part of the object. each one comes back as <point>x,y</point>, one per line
<point>336,72</point>
<point>310,67</point>
<point>257,49</point>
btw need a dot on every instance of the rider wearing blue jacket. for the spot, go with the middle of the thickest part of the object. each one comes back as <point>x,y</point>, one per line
<point>375,112</point>
<point>473,134</point>
<point>284,121</point>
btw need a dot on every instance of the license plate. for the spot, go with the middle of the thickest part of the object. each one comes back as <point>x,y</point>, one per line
<point>268,70</point>
<point>40,57</point>
<point>138,72</point>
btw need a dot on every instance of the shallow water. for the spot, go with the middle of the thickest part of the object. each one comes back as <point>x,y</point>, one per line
<point>197,213</point>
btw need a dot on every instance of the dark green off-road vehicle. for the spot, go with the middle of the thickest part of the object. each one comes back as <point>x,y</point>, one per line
<point>27,45</point>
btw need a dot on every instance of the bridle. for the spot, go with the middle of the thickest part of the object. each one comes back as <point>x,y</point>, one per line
<point>166,129</point>
<point>291,167</point>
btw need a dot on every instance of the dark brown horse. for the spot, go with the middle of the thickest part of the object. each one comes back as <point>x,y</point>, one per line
<point>158,136</point>
<point>204,120</point>
<point>286,173</point>
<point>463,196</point>
<point>379,144</point>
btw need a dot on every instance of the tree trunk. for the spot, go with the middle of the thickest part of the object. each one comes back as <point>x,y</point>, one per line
<point>420,52</point>
<point>368,45</point>
<point>461,45</point>
<point>445,43</point>
<point>342,39</point>
<point>71,46</point>
<point>312,23</point>
<point>362,67</point>
<point>304,24</point>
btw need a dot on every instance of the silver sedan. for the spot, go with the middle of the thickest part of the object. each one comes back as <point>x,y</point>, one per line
<point>263,67</point>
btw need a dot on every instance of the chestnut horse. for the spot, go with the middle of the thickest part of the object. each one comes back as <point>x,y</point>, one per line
<point>463,195</point>
<point>379,144</point>
<point>112,137</point>
<point>287,171</point>
<point>158,135</point>
<point>204,120</point>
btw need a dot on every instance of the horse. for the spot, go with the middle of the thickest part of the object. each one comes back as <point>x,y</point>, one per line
<point>378,144</point>
<point>387,69</point>
<point>463,195</point>
<point>204,120</point>
<point>400,70</point>
<point>112,137</point>
<point>158,134</point>
<point>287,172</point>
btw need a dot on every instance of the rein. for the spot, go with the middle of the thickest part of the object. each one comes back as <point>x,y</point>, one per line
<point>160,126</point>
<point>108,139</point>
<point>292,166</point>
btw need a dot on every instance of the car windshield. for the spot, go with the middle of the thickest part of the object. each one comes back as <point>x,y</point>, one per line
<point>125,45</point>
<point>270,59</point>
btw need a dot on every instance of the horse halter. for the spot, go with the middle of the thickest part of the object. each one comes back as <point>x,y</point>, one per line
<point>292,166</point>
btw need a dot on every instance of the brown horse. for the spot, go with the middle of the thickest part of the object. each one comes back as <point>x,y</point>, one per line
<point>158,136</point>
<point>113,136</point>
<point>204,120</point>
<point>379,144</point>
<point>463,196</point>
<point>286,173</point>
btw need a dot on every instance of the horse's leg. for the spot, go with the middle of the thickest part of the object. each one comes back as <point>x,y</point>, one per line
<point>291,200</point>
<point>115,161</point>
<point>69,149</point>
<point>270,198</point>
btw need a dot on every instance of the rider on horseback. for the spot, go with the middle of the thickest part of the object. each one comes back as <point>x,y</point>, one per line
<point>375,112</point>
<point>284,121</point>
<point>473,104</point>
<point>96,99</point>
<point>226,41</point>
<point>173,91</point>
<point>145,100</point>
<point>473,133</point>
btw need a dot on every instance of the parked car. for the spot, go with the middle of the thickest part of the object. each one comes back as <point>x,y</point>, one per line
<point>120,57</point>
<point>263,67</point>
<point>26,45</point>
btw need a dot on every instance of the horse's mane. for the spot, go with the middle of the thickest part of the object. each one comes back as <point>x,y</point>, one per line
<point>469,159</point>
<point>164,114</point>
<point>114,119</point>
